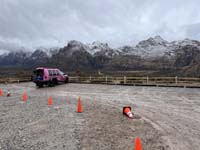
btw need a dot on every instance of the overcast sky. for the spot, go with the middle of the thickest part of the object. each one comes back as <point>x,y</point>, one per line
<point>33,23</point>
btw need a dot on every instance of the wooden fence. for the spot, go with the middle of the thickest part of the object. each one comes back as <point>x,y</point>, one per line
<point>15,80</point>
<point>134,81</point>
<point>140,81</point>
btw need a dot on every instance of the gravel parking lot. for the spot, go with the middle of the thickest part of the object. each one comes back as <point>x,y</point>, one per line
<point>170,118</point>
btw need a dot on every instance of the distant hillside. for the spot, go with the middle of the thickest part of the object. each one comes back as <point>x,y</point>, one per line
<point>171,58</point>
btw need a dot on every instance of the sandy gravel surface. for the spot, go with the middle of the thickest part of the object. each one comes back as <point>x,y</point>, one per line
<point>170,118</point>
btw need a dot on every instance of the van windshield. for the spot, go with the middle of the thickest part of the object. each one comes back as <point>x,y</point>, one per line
<point>61,73</point>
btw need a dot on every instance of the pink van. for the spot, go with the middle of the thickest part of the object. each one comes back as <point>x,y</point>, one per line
<point>48,76</point>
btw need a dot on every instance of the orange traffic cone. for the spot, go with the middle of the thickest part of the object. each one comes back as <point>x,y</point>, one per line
<point>127,112</point>
<point>50,101</point>
<point>1,92</point>
<point>79,108</point>
<point>138,145</point>
<point>24,97</point>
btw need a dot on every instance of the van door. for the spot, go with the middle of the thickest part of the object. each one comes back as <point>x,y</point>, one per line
<point>38,75</point>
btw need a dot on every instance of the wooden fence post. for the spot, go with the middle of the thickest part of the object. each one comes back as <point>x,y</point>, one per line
<point>106,79</point>
<point>124,79</point>
<point>176,80</point>
<point>147,79</point>
<point>90,79</point>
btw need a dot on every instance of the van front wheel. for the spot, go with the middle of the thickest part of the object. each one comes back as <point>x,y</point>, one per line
<point>66,80</point>
<point>50,83</point>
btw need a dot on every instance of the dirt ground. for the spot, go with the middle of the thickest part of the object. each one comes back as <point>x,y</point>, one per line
<point>170,118</point>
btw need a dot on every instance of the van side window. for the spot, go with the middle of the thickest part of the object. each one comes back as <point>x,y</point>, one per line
<point>54,72</point>
<point>57,73</point>
<point>50,72</point>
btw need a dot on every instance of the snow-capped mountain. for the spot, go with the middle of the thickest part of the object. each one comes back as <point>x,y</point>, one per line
<point>186,42</point>
<point>94,49</point>
<point>157,46</point>
<point>98,48</point>
<point>153,53</point>
<point>151,47</point>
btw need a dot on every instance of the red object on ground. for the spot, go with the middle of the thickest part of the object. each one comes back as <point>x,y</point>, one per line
<point>1,92</point>
<point>127,112</point>
<point>79,107</point>
<point>50,101</point>
<point>138,145</point>
<point>24,97</point>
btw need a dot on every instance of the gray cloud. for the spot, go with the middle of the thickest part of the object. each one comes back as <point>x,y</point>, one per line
<point>54,22</point>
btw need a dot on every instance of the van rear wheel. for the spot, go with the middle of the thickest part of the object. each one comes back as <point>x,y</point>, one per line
<point>39,85</point>
<point>55,82</point>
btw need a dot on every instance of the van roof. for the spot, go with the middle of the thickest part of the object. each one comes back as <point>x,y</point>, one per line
<point>45,68</point>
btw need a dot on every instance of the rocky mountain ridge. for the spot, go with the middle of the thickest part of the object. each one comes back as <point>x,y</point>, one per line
<point>151,54</point>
